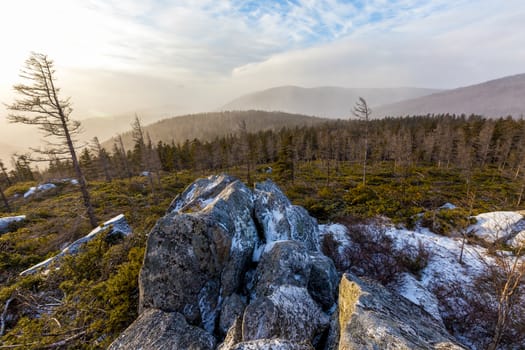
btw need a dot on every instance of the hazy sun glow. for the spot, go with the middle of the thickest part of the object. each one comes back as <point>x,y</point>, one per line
<point>177,56</point>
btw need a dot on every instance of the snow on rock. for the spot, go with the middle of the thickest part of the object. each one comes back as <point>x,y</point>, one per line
<point>117,226</point>
<point>338,233</point>
<point>200,193</point>
<point>226,256</point>
<point>6,221</point>
<point>448,206</point>
<point>518,240</point>
<point>281,220</point>
<point>39,188</point>
<point>496,226</point>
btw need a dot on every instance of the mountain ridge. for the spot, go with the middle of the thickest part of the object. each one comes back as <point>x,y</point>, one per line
<point>324,101</point>
<point>495,98</point>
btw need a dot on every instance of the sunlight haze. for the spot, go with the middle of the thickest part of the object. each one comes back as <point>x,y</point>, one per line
<point>166,58</point>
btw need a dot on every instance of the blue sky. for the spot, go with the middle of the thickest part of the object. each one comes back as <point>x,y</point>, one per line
<point>120,56</point>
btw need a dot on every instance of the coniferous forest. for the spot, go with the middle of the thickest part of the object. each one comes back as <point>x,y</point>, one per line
<point>413,166</point>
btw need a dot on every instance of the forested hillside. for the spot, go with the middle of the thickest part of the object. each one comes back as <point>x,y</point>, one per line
<point>414,166</point>
<point>208,126</point>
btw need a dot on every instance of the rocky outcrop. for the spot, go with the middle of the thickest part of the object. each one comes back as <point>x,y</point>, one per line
<point>242,269</point>
<point>371,317</point>
<point>239,264</point>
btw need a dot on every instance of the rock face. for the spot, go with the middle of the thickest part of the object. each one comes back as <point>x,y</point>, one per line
<point>371,317</point>
<point>233,268</point>
<point>155,329</point>
<point>238,264</point>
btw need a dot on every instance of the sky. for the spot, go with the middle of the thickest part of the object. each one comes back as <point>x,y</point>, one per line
<point>171,57</point>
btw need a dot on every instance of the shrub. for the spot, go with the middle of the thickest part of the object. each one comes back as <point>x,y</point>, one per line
<point>413,259</point>
<point>371,253</point>
<point>447,221</point>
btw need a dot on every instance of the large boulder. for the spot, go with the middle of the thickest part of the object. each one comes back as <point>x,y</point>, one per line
<point>288,313</point>
<point>371,317</point>
<point>283,263</point>
<point>156,329</point>
<point>272,344</point>
<point>198,253</point>
<point>282,306</point>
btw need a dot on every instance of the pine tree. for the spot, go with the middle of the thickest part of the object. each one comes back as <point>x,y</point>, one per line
<point>40,104</point>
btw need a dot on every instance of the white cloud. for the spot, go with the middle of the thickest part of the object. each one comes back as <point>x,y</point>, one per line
<point>138,53</point>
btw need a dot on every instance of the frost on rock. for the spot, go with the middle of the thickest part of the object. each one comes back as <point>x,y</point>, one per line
<point>238,264</point>
<point>281,220</point>
<point>117,226</point>
<point>6,221</point>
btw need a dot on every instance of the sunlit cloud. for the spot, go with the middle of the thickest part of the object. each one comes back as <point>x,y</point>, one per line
<point>198,54</point>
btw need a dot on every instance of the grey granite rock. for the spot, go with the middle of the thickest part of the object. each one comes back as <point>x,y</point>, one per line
<point>156,329</point>
<point>371,317</point>
<point>281,220</point>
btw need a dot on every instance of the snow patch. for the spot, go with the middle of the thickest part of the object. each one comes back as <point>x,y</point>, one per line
<point>407,286</point>
<point>6,221</point>
<point>39,188</point>
<point>339,233</point>
<point>494,226</point>
<point>117,225</point>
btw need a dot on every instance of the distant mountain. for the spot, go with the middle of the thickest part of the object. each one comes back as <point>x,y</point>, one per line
<point>207,126</point>
<point>329,102</point>
<point>496,98</point>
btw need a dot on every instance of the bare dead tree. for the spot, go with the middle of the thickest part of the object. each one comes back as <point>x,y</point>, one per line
<point>103,158</point>
<point>363,112</point>
<point>39,104</point>
<point>508,284</point>
<point>4,199</point>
